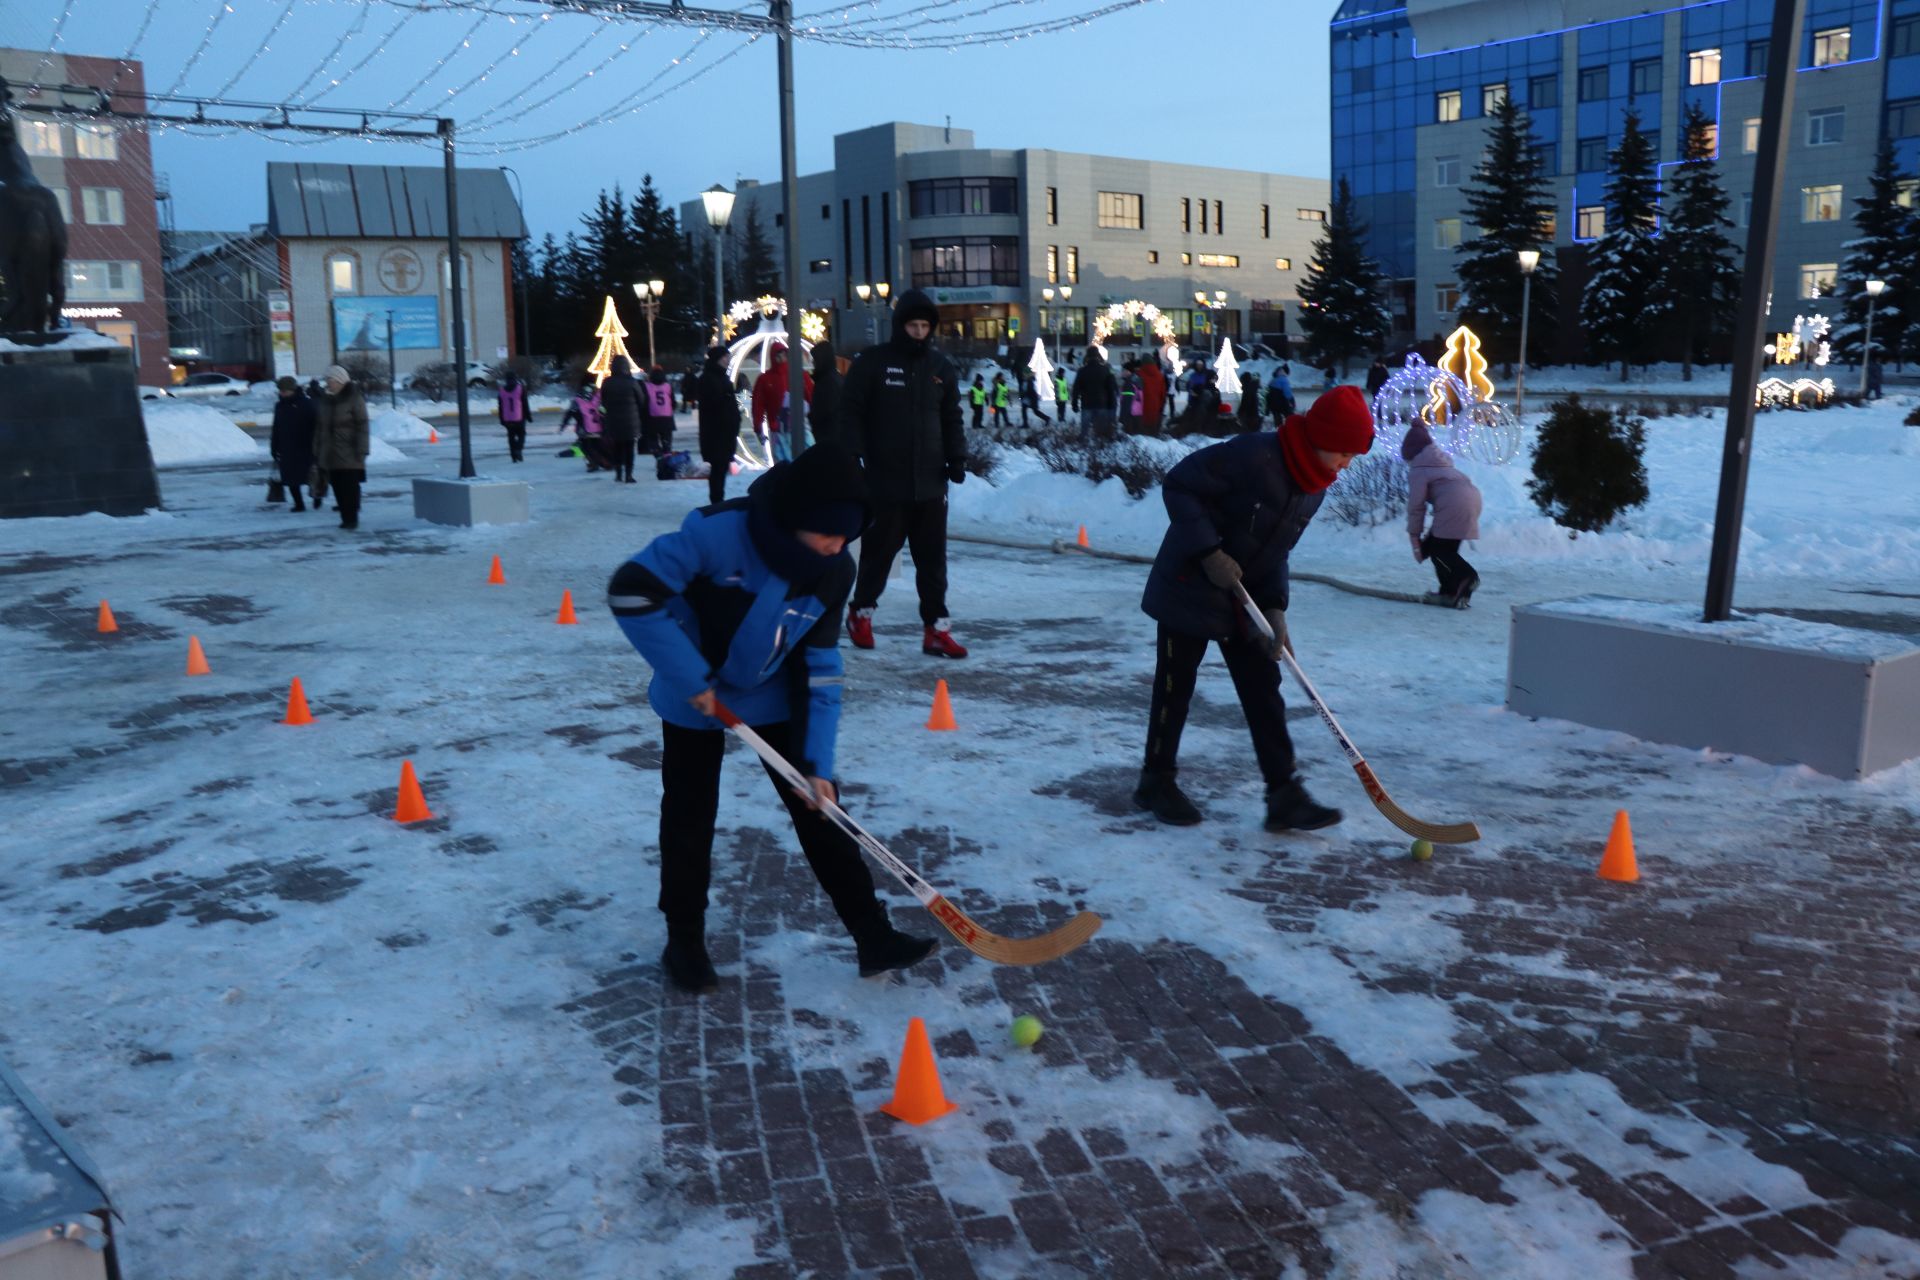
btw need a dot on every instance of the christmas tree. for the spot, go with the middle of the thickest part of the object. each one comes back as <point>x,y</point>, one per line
<point>1880,252</point>
<point>1341,312</point>
<point>1699,278</point>
<point>1227,369</point>
<point>1042,368</point>
<point>610,332</point>
<point>1618,309</point>
<point>1509,203</point>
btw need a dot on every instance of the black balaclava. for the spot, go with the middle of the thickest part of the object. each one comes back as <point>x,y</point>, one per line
<point>824,491</point>
<point>914,305</point>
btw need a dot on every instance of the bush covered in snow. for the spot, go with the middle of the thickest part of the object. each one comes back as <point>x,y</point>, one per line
<point>1136,465</point>
<point>1587,465</point>
<point>370,372</point>
<point>1913,419</point>
<point>1371,491</point>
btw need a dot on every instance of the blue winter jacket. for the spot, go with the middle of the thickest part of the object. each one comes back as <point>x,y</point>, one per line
<point>706,612</point>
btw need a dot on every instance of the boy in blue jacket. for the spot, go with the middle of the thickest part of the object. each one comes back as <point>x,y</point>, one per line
<point>743,604</point>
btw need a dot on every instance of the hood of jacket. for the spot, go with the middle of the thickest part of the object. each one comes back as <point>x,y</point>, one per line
<point>914,304</point>
<point>823,357</point>
<point>656,375</point>
<point>781,501</point>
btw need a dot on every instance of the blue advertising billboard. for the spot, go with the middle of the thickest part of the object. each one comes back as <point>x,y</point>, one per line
<point>360,324</point>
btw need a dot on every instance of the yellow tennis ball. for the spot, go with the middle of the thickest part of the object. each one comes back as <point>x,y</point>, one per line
<point>1422,850</point>
<point>1026,1030</point>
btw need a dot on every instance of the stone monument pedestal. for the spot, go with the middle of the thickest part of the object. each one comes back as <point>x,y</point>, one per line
<point>72,439</point>
<point>481,500</point>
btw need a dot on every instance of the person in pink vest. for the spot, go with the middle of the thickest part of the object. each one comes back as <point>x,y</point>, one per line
<point>656,436</point>
<point>513,414</point>
<point>583,415</point>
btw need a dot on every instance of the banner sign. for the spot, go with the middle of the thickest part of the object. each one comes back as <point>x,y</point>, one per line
<point>360,324</point>
<point>280,331</point>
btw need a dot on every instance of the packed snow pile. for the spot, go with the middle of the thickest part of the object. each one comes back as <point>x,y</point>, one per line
<point>184,434</point>
<point>379,450</point>
<point>77,339</point>
<point>398,424</point>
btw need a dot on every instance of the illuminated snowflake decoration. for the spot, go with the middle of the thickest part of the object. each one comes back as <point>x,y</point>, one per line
<point>1157,320</point>
<point>812,327</point>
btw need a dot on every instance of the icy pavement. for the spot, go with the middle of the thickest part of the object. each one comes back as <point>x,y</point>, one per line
<point>301,1040</point>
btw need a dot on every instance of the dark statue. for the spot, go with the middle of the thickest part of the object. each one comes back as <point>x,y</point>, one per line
<point>33,238</point>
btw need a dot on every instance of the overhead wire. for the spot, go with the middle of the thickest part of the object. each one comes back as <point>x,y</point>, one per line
<point>265,46</point>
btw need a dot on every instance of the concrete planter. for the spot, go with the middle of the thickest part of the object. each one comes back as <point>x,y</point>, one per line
<point>1786,691</point>
<point>467,502</point>
<point>72,436</point>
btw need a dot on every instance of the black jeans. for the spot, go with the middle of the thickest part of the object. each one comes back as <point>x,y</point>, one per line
<point>1448,564</point>
<point>1256,678</point>
<point>516,440</point>
<point>979,411</point>
<point>622,453</point>
<point>690,803</point>
<point>346,494</point>
<point>920,525</point>
<point>717,483</point>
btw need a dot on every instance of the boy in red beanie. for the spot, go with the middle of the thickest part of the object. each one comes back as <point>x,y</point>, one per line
<point>1236,509</point>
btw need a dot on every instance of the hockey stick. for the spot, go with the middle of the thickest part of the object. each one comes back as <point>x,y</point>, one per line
<point>1439,833</point>
<point>991,946</point>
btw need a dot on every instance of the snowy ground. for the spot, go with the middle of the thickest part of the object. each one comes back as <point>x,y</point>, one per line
<point>301,1040</point>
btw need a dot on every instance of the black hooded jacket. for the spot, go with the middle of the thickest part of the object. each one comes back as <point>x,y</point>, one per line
<point>719,413</point>
<point>621,403</point>
<point>900,410</point>
<point>824,409</point>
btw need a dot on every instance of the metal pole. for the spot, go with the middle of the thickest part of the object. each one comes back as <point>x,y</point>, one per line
<point>1866,353</point>
<point>1776,105</point>
<point>526,323</point>
<point>719,293</point>
<point>393,371</point>
<point>781,11</point>
<point>459,307</point>
<point>652,308</point>
<point>1520,383</point>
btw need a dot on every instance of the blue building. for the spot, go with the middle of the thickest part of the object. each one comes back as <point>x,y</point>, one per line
<point>1413,82</point>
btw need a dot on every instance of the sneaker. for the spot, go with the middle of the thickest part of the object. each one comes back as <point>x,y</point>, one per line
<point>860,628</point>
<point>1290,808</point>
<point>938,642</point>
<point>885,948</point>
<point>686,963</point>
<point>1160,793</point>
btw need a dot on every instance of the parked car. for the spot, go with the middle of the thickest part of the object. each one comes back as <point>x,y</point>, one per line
<point>204,385</point>
<point>155,393</point>
<point>478,375</point>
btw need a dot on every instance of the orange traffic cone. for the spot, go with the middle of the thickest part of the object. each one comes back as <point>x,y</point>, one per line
<point>1082,539</point>
<point>496,576</point>
<point>917,1096</point>
<point>433,437</point>
<point>297,712</point>
<point>105,622</point>
<point>1617,863</point>
<point>942,717</point>
<point>413,804</point>
<point>566,618</point>
<point>197,658</point>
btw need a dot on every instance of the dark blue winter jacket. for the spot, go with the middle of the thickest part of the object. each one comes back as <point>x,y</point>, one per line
<point>1238,496</point>
<point>707,612</point>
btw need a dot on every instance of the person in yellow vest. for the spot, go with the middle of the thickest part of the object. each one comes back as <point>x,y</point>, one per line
<point>977,393</point>
<point>1061,393</point>
<point>1002,397</point>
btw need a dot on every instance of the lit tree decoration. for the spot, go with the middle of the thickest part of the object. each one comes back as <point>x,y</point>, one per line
<point>1228,368</point>
<point>1464,361</point>
<point>610,332</point>
<point>1042,368</point>
<point>1405,397</point>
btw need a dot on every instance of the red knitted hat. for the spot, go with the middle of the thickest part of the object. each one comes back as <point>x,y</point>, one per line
<point>1340,422</point>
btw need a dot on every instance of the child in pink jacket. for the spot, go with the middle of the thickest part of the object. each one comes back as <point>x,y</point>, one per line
<point>1433,481</point>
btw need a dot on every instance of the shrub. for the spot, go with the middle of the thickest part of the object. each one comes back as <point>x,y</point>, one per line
<point>1136,468</point>
<point>983,455</point>
<point>370,371</point>
<point>1587,465</point>
<point>1913,419</point>
<point>1371,491</point>
<point>435,379</point>
<point>521,367</point>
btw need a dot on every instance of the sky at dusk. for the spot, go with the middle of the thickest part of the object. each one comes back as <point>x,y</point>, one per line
<point>1235,83</point>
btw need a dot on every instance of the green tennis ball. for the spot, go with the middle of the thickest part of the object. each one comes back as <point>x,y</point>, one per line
<point>1026,1030</point>
<point>1422,850</point>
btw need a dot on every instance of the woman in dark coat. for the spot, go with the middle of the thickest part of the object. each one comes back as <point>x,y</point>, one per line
<point>621,411</point>
<point>292,443</point>
<point>719,411</point>
<point>826,392</point>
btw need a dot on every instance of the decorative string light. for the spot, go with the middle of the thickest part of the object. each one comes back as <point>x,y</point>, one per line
<point>266,44</point>
<point>513,52</point>
<point>53,41</point>
<point>464,42</point>
<point>379,46</point>
<point>480,121</point>
<point>206,40</point>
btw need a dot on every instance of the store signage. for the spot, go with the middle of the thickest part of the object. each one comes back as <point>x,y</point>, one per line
<point>92,313</point>
<point>360,324</point>
<point>280,331</point>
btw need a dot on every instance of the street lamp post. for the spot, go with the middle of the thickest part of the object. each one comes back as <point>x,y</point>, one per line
<point>1874,289</point>
<point>526,322</point>
<point>719,206</point>
<point>865,293</point>
<point>650,292</point>
<point>1529,259</point>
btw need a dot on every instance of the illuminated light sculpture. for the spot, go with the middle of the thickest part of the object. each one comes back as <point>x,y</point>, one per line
<point>1464,419</point>
<point>1042,369</point>
<point>1228,369</point>
<point>1134,309</point>
<point>609,332</point>
<point>1464,361</point>
<point>1805,344</point>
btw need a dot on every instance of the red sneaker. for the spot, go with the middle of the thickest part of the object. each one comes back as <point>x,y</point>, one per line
<point>938,642</point>
<point>860,628</point>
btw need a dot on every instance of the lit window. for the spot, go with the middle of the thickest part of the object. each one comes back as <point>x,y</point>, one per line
<point>89,281</point>
<point>1491,96</point>
<point>1446,233</point>
<point>1750,135</point>
<point>1219,259</point>
<point>1120,210</point>
<point>1703,66</point>
<point>1446,298</point>
<point>1053,264</point>
<point>1820,204</point>
<point>42,138</point>
<point>1283,264</point>
<point>95,142</point>
<point>103,206</point>
<point>1826,127</point>
<point>820,266</point>
<point>1816,279</point>
<point>1153,257</point>
<point>1311,215</point>
<point>1590,222</point>
<point>1710,140</point>
<point>1186,259</point>
<point>1073,264</point>
<point>1832,45</point>
<point>1906,192</point>
<point>1446,106</point>
<point>342,271</point>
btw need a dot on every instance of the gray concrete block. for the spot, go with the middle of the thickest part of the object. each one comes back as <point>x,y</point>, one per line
<point>481,500</point>
<point>73,439</point>
<point>1783,690</point>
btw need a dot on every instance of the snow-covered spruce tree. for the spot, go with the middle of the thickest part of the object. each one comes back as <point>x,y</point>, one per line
<point>1882,251</point>
<point>1618,310</point>
<point>1508,203</point>
<point>1587,465</point>
<point>1341,313</point>
<point>1700,272</point>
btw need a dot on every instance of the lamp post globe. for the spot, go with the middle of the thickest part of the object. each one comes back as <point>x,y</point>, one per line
<point>1529,259</point>
<point>718,203</point>
<point>1874,289</point>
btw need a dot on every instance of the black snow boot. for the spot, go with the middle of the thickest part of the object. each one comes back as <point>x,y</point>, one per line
<point>1465,595</point>
<point>1159,792</point>
<point>685,959</point>
<point>1290,808</point>
<point>883,947</point>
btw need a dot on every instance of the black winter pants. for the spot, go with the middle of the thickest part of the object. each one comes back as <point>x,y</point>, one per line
<point>921,526</point>
<point>716,483</point>
<point>1256,678</point>
<point>346,494</point>
<point>622,454</point>
<point>690,804</point>
<point>516,440</point>
<point>1448,564</point>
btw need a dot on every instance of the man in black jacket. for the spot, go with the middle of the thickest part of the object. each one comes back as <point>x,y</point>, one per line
<point>900,413</point>
<point>1096,396</point>
<point>719,412</point>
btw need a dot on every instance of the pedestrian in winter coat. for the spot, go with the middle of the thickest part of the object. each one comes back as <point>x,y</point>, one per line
<point>1433,481</point>
<point>1280,396</point>
<point>823,406</point>
<point>1250,402</point>
<point>1235,511</point>
<point>1153,394</point>
<point>1061,394</point>
<point>512,409</point>
<point>771,418</point>
<point>1001,398</point>
<point>900,414</point>
<point>1030,398</point>
<point>292,441</point>
<point>719,422</point>
<point>1876,380</point>
<point>622,413</point>
<point>740,609</point>
<point>583,415</point>
<point>1377,376</point>
<point>658,431</point>
<point>340,442</point>
<point>977,396</point>
<point>1096,396</point>
<point>690,389</point>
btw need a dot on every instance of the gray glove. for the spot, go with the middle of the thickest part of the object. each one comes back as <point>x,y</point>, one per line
<point>1277,620</point>
<point>1222,570</point>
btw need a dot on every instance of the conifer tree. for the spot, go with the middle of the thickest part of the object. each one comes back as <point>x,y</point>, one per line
<point>1882,251</point>
<point>1618,309</point>
<point>1509,201</point>
<point>1700,272</point>
<point>1341,314</point>
<point>758,271</point>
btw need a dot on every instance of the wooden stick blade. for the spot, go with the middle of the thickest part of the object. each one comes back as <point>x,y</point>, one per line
<point>1014,951</point>
<point>1437,832</point>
